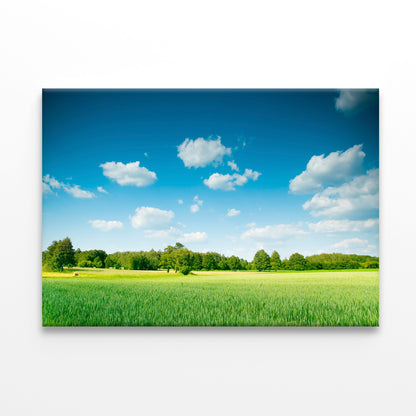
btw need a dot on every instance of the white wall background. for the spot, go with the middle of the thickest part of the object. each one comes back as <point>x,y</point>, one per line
<point>290,371</point>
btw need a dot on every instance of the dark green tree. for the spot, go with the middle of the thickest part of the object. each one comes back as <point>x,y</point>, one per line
<point>60,254</point>
<point>297,262</point>
<point>233,263</point>
<point>208,261</point>
<point>275,262</point>
<point>183,261</point>
<point>223,263</point>
<point>98,263</point>
<point>262,260</point>
<point>196,259</point>
<point>166,261</point>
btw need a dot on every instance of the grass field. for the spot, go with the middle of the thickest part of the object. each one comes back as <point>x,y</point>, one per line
<point>135,298</point>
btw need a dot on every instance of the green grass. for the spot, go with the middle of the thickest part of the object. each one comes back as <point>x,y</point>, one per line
<point>132,298</point>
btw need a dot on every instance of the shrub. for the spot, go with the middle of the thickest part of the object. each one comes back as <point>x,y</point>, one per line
<point>185,270</point>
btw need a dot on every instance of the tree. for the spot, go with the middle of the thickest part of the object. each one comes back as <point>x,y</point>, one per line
<point>208,261</point>
<point>87,258</point>
<point>183,261</point>
<point>166,261</point>
<point>110,261</point>
<point>168,257</point>
<point>275,262</point>
<point>138,261</point>
<point>60,254</point>
<point>233,263</point>
<point>98,263</point>
<point>262,260</point>
<point>223,263</point>
<point>297,262</point>
<point>153,258</point>
<point>196,259</point>
<point>285,264</point>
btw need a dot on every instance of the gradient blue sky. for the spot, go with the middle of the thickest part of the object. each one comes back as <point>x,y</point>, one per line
<point>272,132</point>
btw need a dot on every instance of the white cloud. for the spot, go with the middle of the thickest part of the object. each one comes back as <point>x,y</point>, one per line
<point>52,182</point>
<point>129,173</point>
<point>194,208</point>
<point>272,232</point>
<point>198,203</point>
<point>151,218</point>
<point>229,182</point>
<point>334,169</point>
<point>106,225</point>
<point>351,243</point>
<point>335,226</point>
<point>219,181</point>
<point>145,153</point>
<point>49,183</point>
<point>102,190</point>
<point>251,224</point>
<point>233,212</point>
<point>233,166</point>
<point>180,201</point>
<point>200,152</point>
<point>77,192</point>
<point>356,198</point>
<point>46,189</point>
<point>355,100</point>
<point>251,174</point>
<point>174,234</point>
<point>194,237</point>
<point>240,180</point>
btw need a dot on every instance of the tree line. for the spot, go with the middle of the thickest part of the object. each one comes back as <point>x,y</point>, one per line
<point>61,254</point>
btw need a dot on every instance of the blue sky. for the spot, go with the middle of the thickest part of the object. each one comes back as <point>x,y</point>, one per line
<point>231,171</point>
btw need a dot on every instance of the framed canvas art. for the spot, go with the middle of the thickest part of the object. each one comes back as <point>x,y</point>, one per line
<point>210,207</point>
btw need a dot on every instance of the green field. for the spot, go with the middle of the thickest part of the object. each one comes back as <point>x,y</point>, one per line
<point>135,298</point>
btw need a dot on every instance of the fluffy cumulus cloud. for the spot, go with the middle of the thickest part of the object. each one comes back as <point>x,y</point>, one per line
<point>103,225</point>
<point>353,100</point>
<point>219,181</point>
<point>356,198</point>
<point>351,243</point>
<point>174,234</point>
<point>233,166</point>
<point>336,226</point>
<point>333,169</point>
<point>180,201</point>
<point>102,190</point>
<point>129,173</point>
<point>251,174</point>
<point>229,182</point>
<point>199,153</point>
<point>233,212</point>
<point>277,232</point>
<point>77,192</point>
<point>151,218</point>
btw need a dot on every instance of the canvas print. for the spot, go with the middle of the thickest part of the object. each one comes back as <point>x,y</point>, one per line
<point>208,207</point>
